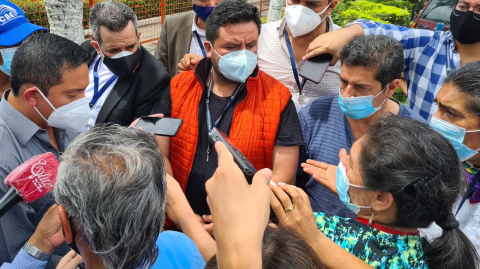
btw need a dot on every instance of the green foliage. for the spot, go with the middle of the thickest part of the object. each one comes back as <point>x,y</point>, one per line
<point>385,11</point>
<point>35,9</point>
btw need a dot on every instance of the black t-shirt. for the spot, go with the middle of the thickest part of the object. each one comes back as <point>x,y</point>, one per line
<point>288,134</point>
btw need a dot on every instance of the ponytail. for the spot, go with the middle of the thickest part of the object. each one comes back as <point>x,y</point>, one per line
<point>452,250</point>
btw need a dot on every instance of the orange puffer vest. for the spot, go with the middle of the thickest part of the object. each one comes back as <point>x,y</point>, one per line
<point>254,125</point>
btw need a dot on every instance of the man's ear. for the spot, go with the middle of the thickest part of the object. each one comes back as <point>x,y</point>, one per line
<point>383,201</point>
<point>208,49</point>
<point>391,88</point>
<point>332,6</point>
<point>96,46</point>
<point>138,35</point>
<point>31,96</point>
<point>67,231</point>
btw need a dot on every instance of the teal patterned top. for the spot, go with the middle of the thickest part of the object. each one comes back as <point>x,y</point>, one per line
<point>378,248</point>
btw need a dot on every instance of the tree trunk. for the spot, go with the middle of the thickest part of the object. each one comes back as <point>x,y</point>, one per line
<point>275,10</point>
<point>65,18</point>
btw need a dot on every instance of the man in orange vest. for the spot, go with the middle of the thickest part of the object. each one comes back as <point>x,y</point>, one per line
<point>226,90</point>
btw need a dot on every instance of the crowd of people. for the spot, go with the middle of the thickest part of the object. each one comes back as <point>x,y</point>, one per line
<point>348,177</point>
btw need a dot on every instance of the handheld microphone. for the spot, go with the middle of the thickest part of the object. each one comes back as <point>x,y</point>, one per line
<point>30,181</point>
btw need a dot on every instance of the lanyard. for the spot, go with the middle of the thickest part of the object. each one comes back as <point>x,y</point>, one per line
<point>209,115</point>
<point>292,60</point>
<point>200,44</point>
<point>97,94</point>
<point>469,191</point>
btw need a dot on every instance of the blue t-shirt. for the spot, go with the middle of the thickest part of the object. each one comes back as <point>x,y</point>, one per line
<point>176,250</point>
<point>325,132</point>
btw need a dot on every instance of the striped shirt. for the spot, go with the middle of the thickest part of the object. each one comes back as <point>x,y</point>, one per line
<point>274,59</point>
<point>426,54</point>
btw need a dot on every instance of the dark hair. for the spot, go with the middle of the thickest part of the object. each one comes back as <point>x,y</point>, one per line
<point>378,52</point>
<point>467,81</point>
<point>42,59</point>
<point>231,12</point>
<point>283,250</point>
<point>421,170</point>
<point>113,15</point>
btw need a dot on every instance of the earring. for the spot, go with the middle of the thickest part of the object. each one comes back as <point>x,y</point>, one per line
<point>370,221</point>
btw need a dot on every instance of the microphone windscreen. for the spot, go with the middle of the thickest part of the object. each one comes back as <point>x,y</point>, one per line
<point>35,177</point>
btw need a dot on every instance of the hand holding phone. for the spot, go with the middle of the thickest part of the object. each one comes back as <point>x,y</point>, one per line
<point>314,68</point>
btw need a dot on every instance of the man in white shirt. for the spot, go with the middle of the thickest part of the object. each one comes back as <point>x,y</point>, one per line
<point>184,33</point>
<point>125,79</point>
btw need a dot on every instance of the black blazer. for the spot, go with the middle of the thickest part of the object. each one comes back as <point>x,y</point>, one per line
<point>135,96</point>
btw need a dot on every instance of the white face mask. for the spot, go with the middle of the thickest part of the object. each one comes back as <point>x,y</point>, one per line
<point>302,20</point>
<point>72,116</point>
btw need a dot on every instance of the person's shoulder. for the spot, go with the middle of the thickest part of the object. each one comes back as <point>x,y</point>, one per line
<point>269,30</point>
<point>407,112</point>
<point>319,105</point>
<point>176,250</point>
<point>151,66</point>
<point>179,18</point>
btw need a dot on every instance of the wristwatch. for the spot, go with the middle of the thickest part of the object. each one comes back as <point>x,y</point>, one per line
<point>35,252</point>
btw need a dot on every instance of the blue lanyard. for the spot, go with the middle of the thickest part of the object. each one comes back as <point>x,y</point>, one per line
<point>292,59</point>
<point>469,191</point>
<point>200,44</point>
<point>96,93</point>
<point>209,115</point>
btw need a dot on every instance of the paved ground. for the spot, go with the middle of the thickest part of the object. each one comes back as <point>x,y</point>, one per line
<point>152,31</point>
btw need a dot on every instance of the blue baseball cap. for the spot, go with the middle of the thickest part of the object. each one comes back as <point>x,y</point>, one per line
<point>14,25</point>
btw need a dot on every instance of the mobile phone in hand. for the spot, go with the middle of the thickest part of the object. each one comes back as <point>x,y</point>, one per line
<point>314,68</point>
<point>247,168</point>
<point>160,126</point>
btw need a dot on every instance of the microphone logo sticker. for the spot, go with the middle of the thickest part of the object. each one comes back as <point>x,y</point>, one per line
<point>39,178</point>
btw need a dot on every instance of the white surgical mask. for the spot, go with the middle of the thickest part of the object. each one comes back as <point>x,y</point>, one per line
<point>302,20</point>
<point>72,116</point>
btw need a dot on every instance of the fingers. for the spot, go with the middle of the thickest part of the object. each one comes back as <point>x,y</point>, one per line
<point>70,261</point>
<point>225,158</point>
<point>200,219</point>
<point>277,207</point>
<point>318,164</point>
<point>262,177</point>
<point>207,218</point>
<point>282,196</point>
<point>294,195</point>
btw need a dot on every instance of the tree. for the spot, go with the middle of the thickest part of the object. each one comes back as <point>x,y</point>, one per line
<point>65,18</point>
<point>275,10</point>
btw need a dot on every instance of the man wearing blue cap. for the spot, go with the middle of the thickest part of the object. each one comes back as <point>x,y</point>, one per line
<point>14,28</point>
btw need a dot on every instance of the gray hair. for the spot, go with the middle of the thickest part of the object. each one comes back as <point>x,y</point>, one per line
<point>112,182</point>
<point>379,52</point>
<point>112,15</point>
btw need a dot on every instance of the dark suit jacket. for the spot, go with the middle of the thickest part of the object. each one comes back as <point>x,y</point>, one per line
<point>175,39</point>
<point>135,96</point>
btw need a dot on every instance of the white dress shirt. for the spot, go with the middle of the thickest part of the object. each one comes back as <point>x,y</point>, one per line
<point>194,46</point>
<point>104,74</point>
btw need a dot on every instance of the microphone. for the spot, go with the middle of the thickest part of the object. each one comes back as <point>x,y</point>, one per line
<point>30,181</point>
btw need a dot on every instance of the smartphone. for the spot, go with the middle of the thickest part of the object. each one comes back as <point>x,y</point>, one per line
<point>160,126</point>
<point>247,168</point>
<point>314,68</point>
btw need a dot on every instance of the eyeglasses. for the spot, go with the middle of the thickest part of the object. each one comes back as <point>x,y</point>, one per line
<point>459,10</point>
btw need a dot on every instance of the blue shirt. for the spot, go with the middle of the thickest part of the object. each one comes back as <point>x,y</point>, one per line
<point>426,53</point>
<point>176,250</point>
<point>325,132</point>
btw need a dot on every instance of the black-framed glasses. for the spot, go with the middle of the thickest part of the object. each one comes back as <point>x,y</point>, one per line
<point>459,9</point>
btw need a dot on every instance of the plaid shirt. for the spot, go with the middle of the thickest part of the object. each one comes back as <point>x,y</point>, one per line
<point>425,61</point>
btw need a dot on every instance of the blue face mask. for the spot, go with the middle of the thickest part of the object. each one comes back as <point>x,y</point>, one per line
<point>203,12</point>
<point>455,135</point>
<point>238,65</point>
<point>7,55</point>
<point>343,185</point>
<point>359,107</point>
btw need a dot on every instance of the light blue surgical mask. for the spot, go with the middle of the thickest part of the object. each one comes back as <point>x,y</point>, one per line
<point>237,65</point>
<point>359,107</point>
<point>7,56</point>
<point>343,184</point>
<point>455,135</point>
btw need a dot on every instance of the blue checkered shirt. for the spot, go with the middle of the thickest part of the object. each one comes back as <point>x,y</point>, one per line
<point>425,61</point>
